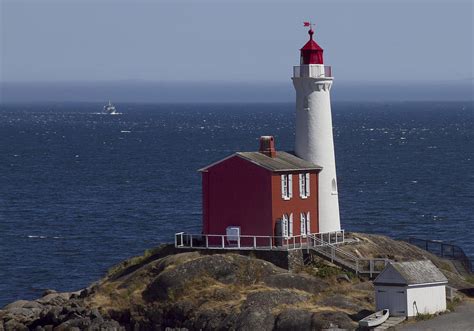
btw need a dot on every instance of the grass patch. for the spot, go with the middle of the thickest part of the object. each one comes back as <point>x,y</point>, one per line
<point>325,271</point>
<point>193,288</point>
<point>423,317</point>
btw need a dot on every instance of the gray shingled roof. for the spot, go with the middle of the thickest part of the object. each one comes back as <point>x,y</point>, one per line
<point>283,161</point>
<point>419,272</point>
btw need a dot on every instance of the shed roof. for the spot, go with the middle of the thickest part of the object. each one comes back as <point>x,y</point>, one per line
<point>283,161</point>
<point>411,273</point>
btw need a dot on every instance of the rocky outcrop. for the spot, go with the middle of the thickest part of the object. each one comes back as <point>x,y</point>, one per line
<point>54,311</point>
<point>169,288</point>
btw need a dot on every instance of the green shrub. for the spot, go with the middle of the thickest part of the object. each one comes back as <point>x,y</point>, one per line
<point>451,305</point>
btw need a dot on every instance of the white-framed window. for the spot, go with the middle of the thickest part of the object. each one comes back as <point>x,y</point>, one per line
<point>334,187</point>
<point>304,181</point>
<point>287,186</point>
<point>308,223</point>
<point>305,222</point>
<point>306,103</point>
<point>287,225</point>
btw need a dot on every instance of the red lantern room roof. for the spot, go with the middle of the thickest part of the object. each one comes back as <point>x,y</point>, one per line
<point>311,53</point>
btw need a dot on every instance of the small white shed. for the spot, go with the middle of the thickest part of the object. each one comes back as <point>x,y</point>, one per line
<point>411,288</point>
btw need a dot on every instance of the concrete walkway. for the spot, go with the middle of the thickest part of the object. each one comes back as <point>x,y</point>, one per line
<point>461,319</point>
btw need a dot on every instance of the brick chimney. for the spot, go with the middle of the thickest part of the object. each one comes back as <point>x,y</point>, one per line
<point>267,146</point>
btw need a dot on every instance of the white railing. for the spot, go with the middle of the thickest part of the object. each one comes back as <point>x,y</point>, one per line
<point>370,266</point>
<point>312,71</point>
<point>242,242</point>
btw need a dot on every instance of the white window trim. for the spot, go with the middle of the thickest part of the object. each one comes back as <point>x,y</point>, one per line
<point>287,186</point>
<point>304,180</point>
<point>290,226</point>
<point>303,230</point>
<point>308,223</point>
<point>307,182</point>
<point>284,226</point>
<point>333,187</point>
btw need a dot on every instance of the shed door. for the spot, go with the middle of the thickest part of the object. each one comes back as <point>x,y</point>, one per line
<point>392,298</point>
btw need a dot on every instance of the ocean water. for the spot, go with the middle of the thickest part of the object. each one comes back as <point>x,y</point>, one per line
<point>80,191</point>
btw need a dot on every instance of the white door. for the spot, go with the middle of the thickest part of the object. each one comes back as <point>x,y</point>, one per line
<point>392,298</point>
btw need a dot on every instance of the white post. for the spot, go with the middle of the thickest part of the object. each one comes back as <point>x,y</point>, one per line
<point>238,241</point>
<point>207,241</point>
<point>254,242</point>
<point>191,240</point>
<point>222,241</point>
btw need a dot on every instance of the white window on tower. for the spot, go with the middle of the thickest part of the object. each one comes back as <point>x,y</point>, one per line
<point>306,103</point>
<point>303,224</point>
<point>333,187</point>
<point>304,185</point>
<point>287,186</point>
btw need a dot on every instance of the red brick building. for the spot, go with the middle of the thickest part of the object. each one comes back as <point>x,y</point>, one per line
<point>264,193</point>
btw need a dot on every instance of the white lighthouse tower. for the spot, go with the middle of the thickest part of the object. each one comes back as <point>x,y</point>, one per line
<point>314,139</point>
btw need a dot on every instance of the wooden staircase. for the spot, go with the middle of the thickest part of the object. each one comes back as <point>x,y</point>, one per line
<point>347,261</point>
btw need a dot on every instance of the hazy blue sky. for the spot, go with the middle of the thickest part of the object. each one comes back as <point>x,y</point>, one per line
<point>258,40</point>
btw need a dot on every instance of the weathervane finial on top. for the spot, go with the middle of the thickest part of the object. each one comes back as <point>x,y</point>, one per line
<point>310,32</point>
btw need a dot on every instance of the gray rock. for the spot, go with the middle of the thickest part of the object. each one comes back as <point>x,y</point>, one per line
<point>293,319</point>
<point>13,325</point>
<point>256,312</point>
<point>54,299</point>
<point>229,268</point>
<point>340,301</point>
<point>48,291</point>
<point>343,278</point>
<point>271,298</point>
<point>250,320</point>
<point>33,305</point>
<point>81,323</point>
<point>94,313</point>
<point>51,316</point>
<point>331,320</point>
<point>23,315</point>
<point>16,304</point>
<point>111,326</point>
<point>210,319</point>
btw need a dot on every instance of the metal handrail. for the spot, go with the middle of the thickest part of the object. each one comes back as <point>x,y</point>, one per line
<point>445,250</point>
<point>337,249</point>
<point>213,241</point>
<point>312,71</point>
<point>354,260</point>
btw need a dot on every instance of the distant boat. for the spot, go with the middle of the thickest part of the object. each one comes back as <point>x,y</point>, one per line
<point>375,319</point>
<point>110,109</point>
